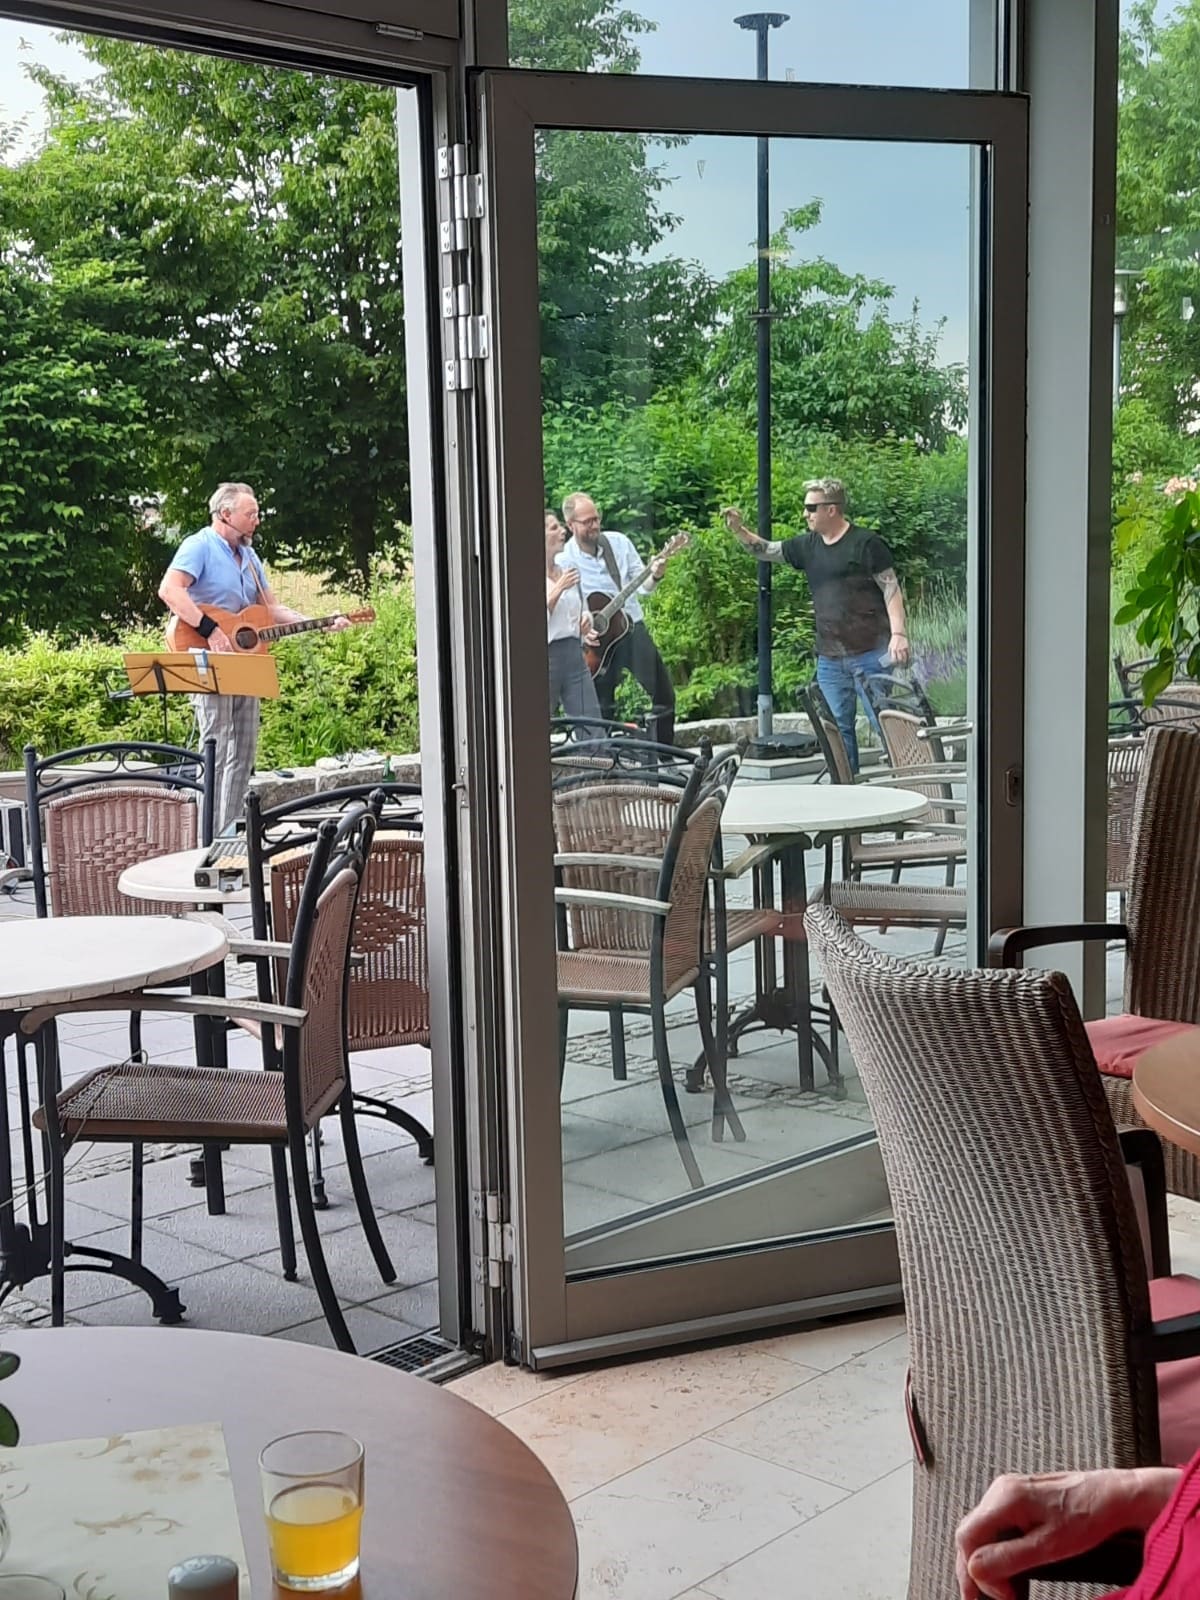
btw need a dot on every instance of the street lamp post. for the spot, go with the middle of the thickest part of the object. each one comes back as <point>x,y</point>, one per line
<point>760,23</point>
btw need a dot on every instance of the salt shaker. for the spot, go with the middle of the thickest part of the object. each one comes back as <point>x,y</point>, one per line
<point>203,1578</point>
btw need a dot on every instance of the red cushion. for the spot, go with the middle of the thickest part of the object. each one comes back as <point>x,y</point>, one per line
<point>1117,1042</point>
<point>1178,1381</point>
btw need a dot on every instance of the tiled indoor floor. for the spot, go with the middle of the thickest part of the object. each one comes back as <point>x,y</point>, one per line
<point>775,1466</point>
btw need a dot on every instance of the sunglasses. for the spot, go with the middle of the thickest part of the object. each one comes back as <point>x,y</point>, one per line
<point>815,505</point>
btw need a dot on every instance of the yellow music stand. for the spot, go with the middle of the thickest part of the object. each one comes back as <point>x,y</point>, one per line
<point>164,672</point>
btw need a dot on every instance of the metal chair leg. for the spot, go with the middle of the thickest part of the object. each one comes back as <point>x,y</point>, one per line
<point>662,1056</point>
<point>723,1107</point>
<point>564,1023</point>
<point>311,1235</point>
<point>136,1199</point>
<point>320,1198</point>
<point>283,1212</point>
<point>362,1195</point>
<point>616,1035</point>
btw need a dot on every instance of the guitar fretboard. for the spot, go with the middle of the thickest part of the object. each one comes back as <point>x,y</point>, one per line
<point>282,630</point>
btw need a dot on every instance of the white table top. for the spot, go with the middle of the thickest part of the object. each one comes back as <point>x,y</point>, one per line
<point>785,808</point>
<point>45,961</point>
<point>171,880</point>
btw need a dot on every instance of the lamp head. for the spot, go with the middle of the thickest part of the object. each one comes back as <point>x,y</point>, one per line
<point>760,21</point>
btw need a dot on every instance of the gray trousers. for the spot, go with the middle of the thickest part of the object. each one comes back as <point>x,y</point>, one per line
<point>232,720</point>
<point>571,682</point>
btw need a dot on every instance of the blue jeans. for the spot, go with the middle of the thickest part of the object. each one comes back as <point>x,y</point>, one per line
<point>836,679</point>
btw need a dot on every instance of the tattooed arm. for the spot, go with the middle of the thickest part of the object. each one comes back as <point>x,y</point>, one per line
<point>893,598</point>
<point>762,549</point>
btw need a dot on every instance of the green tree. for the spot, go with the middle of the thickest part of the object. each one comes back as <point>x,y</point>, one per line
<point>839,365</point>
<point>73,434</point>
<point>259,211</point>
<point>1158,209</point>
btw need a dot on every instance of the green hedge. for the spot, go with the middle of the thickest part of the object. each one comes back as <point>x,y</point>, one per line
<point>355,690</point>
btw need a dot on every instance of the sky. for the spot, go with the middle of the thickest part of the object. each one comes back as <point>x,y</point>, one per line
<point>898,212</point>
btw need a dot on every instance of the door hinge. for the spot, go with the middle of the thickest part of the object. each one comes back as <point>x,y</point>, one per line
<point>466,329</point>
<point>498,1239</point>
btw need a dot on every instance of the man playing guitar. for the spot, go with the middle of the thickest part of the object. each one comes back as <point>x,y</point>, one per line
<point>218,567</point>
<point>606,562</point>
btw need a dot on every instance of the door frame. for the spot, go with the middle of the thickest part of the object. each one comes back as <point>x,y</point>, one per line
<point>555,1319</point>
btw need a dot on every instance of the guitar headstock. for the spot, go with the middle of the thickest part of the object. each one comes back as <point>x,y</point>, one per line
<point>367,614</point>
<point>676,543</point>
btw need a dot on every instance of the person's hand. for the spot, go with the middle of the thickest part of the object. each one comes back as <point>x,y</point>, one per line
<point>1029,1521</point>
<point>568,578</point>
<point>736,523</point>
<point>588,633</point>
<point>657,567</point>
<point>898,650</point>
<point>220,642</point>
<point>339,624</point>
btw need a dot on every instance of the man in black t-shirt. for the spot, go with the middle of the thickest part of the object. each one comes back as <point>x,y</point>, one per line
<point>857,603</point>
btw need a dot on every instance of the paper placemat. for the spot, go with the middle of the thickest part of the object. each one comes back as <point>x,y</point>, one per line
<point>109,1518</point>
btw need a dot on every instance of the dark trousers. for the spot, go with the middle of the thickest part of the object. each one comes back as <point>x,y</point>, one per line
<point>637,653</point>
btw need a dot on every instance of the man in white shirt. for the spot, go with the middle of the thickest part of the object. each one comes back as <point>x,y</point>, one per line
<point>606,562</point>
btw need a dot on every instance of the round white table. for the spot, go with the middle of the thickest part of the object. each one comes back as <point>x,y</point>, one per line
<point>790,817</point>
<point>783,809</point>
<point>48,961</point>
<point>53,961</point>
<point>171,880</point>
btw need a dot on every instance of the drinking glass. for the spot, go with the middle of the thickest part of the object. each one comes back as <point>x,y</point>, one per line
<point>312,1486</point>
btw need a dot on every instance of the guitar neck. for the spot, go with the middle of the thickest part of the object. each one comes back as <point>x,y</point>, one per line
<point>284,630</point>
<point>619,599</point>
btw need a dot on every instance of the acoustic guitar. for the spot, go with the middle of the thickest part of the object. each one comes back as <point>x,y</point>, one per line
<point>608,619</point>
<point>250,631</point>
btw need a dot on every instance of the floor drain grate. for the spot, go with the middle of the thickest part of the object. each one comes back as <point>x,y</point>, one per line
<point>415,1354</point>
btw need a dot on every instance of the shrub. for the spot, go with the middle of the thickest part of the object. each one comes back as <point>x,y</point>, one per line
<point>354,690</point>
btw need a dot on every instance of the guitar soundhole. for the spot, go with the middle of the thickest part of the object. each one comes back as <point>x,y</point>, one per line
<point>600,625</point>
<point>245,638</point>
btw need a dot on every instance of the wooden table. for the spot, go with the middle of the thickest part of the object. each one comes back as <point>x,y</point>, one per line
<point>52,960</point>
<point>457,1508</point>
<point>791,817</point>
<point>1166,1090</point>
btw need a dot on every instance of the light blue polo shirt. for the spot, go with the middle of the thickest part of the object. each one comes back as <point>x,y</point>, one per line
<point>219,577</point>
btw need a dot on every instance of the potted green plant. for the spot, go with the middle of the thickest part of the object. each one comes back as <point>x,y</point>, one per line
<point>1164,598</point>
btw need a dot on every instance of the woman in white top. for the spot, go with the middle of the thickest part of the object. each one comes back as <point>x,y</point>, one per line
<point>567,624</point>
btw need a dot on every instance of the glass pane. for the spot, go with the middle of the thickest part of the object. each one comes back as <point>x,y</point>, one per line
<point>650,403</point>
<point>858,41</point>
<point>1156,416</point>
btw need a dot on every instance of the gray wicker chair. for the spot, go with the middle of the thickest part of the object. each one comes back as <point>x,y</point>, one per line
<point>1031,1316</point>
<point>1162,959</point>
<point>634,875</point>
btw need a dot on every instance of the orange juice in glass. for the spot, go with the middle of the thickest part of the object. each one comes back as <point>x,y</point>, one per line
<point>312,1487</point>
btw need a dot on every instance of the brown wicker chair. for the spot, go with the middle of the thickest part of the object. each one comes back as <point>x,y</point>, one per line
<point>388,998</point>
<point>1162,951</point>
<point>1034,1331</point>
<point>935,843</point>
<point>1124,770</point>
<point>635,874</point>
<point>164,1104</point>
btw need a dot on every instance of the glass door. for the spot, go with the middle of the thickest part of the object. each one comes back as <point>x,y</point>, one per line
<point>656,251</point>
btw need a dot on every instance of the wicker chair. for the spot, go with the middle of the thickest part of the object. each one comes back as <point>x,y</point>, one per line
<point>1033,1328</point>
<point>1124,770</point>
<point>142,1102</point>
<point>99,809</point>
<point>1162,954</point>
<point>635,874</point>
<point>388,999</point>
<point>935,843</point>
